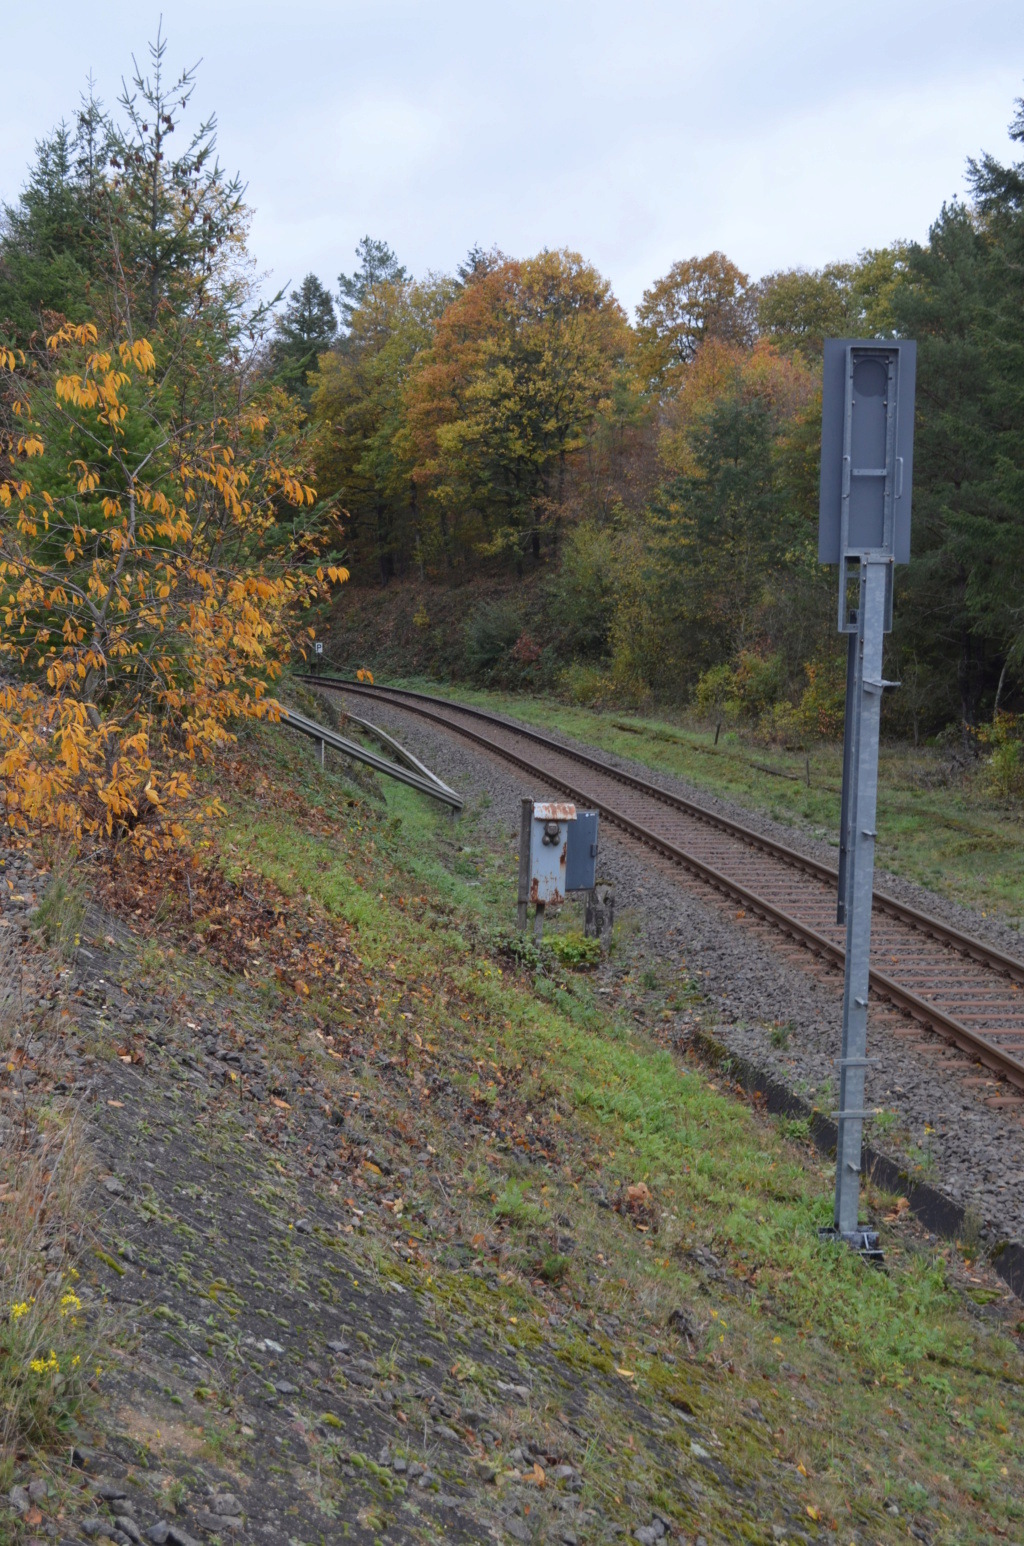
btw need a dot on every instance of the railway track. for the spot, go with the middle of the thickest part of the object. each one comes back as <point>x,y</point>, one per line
<point>964,990</point>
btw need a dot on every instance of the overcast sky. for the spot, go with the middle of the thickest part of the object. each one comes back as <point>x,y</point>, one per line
<point>635,131</point>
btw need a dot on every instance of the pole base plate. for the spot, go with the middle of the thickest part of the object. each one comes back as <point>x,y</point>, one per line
<point>863,1241</point>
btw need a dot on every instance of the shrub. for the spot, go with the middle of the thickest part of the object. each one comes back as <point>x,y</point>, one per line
<point>586,686</point>
<point>822,708</point>
<point>581,597</point>
<point>749,688</point>
<point>1004,769</point>
<point>575,949</point>
<point>501,650</point>
<point>760,682</point>
<point>716,692</point>
<point>491,635</point>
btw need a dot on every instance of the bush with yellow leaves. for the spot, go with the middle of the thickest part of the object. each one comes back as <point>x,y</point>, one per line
<point>154,561</point>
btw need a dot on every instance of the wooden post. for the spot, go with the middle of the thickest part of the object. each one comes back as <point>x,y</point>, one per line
<point>523,897</point>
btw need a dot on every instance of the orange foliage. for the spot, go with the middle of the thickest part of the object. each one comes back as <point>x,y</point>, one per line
<point>145,594</point>
<point>722,369</point>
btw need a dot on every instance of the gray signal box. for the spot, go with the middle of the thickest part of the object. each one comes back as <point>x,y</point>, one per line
<point>549,845</point>
<point>867,454</point>
<point>557,854</point>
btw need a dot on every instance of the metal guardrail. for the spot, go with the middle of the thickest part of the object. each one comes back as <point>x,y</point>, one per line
<point>401,752</point>
<point>424,780</point>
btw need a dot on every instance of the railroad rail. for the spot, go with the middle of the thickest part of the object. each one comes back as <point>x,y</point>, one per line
<point>963,989</point>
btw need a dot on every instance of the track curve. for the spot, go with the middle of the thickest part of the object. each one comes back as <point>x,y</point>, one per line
<point>956,985</point>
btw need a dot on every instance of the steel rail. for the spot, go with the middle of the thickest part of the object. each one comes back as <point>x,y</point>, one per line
<point>925,923</point>
<point>886,987</point>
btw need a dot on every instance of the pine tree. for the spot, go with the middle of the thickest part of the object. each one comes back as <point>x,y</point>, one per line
<point>47,247</point>
<point>174,218</point>
<point>377,265</point>
<point>305,331</point>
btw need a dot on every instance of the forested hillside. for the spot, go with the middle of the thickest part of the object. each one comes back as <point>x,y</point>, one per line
<point>654,483</point>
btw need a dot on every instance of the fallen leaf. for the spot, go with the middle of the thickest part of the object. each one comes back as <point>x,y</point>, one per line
<point>812,1512</point>
<point>33,1517</point>
<point>627,1374</point>
<point>281,1104</point>
<point>115,1102</point>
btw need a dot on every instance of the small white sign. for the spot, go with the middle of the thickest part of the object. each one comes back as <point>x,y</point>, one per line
<point>318,647</point>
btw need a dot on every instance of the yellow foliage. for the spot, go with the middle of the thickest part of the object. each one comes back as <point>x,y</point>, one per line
<point>160,609</point>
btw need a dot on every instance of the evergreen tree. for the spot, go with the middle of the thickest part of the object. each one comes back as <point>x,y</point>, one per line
<point>305,331</point>
<point>964,301</point>
<point>173,218</point>
<point>993,531</point>
<point>377,265</point>
<point>478,262</point>
<point>48,241</point>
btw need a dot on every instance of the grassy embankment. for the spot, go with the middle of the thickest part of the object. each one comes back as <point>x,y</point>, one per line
<point>937,825</point>
<point>835,1396</point>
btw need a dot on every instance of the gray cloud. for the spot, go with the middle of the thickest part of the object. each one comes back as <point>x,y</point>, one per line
<point>637,132</point>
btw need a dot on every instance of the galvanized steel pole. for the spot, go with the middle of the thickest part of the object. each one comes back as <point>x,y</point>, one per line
<point>867,440</point>
<point>865,707</point>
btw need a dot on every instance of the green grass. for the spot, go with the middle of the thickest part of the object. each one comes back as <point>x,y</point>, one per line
<point>917,1399</point>
<point>943,831</point>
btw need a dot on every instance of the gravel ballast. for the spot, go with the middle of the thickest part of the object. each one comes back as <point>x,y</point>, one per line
<point>755,984</point>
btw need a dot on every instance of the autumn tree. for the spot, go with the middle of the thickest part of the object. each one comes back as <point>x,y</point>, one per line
<point>158,531</point>
<point>732,529</point>
<point>361,445</point>
<point>522,364</point>
<point>698,299</point>
<point>145,593</point>
<point>799,308</point>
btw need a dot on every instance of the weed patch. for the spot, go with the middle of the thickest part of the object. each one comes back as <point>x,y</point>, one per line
<point>48,1332</point>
